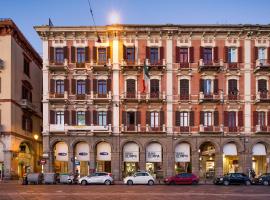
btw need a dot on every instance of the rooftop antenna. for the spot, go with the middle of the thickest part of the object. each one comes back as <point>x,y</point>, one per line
<point>91,12</point>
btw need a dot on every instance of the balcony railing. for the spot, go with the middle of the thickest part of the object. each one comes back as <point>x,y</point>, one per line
<point>210,66</point>
<point>92,128</point>
<point>262,129</point>
<point>58,96</point>
<point>262,97</point>
<point>101,96</point>
<point>139,128</point>
<point>100,65</point>
<point>156,96</point>
<point>212,97</point>
<point>80,65</point>
<point>58,66</point>
<point>155,64</point>
<point>26,104</point>
<point>233,66</point>
<point>210,129</point>
<point>184,97</point>
<point>184,65</point>
<point>262,65</point>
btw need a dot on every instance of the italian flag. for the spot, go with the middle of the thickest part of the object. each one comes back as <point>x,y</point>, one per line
<point>146,77</point>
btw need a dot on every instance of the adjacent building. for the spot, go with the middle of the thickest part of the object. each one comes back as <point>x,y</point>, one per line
<point>161,98</point>
<point>20,103</point>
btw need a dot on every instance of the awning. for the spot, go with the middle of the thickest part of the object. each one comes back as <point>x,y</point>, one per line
<point>103,151</point>
<point>154,152</point>
<point>1,152</point>
<point>230,149</point>
<point>182,152</point>
<point>61,151</point>
<point>259,150</point>
<point>131,152</point>
<point>82,151</point>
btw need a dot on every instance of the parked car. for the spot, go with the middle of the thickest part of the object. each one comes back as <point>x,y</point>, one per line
<point>140,178</point>
<point>233,179</point>
<point>97,178</point>
<point>182,178</point>
<point>264,179</point>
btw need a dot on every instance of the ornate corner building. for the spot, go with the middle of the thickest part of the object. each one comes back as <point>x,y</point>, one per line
<point>162,98</point>
<point>20,103</point>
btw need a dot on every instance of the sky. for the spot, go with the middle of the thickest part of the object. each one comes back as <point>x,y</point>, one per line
<point>29,13</point>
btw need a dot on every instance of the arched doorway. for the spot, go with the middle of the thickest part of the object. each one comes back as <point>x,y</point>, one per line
<point>82,158</point>
<point>1,160</point>
<point>154,159</point>
<point>25,159</point>
<point>103,159</point>
<point>259,163</point>
<point>207,153</point>
<point>230,158</point>
<point>130,158</point>
<point>182,158</point>
<point>61,157</point>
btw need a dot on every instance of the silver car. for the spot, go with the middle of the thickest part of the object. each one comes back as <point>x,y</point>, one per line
<point>97,178</point>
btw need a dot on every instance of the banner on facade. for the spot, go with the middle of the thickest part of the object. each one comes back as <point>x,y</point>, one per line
<point>182,152</point>
<point>104,151</point>
<point>130,156</point>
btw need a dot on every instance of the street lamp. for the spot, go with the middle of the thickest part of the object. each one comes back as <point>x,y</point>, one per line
<point>36,136</point>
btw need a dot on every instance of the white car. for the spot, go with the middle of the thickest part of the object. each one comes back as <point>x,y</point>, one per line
<point>97,178</point>
<point>140,178</point>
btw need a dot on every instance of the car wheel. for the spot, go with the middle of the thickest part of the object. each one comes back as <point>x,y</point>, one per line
<point>130,182</point>
<point>248,183</point>
<point>107,182</point>
<point>172,183</point>
<point>265,183</point>
<point>226,183</point>
<point>84,182</point>
<point>194,182</point>
<point>151,182</point>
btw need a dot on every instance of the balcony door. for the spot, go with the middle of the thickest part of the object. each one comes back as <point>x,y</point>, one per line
<point>207,55</point>
<point>131,88</point>
<point>154,88</point>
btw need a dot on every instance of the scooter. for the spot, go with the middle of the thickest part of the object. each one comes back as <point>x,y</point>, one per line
<point>72,180</point>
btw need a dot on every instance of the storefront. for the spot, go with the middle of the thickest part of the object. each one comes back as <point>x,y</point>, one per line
<point>230,158</point>
<point>154,159</point>
<point>82,158</point>
<point>103,163</point>
<point>182,158</point>
<point>207,160</point>
<point>1,161</point>
<point>259,161</point>
<point>61,157</point>
<point>25,159</point>
<point>130,158</point>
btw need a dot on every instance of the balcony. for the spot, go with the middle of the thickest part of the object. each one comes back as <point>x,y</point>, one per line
<point>56,97</point>
<point>63,66</point>
<point>184,97</point>
<point>210,129</point>
<point>79,128</point>
<point>233,66</point>
<point>142,129</point>
<point>211,98</point>
<point>210,66</point>
<point>262,97</point>
<point>56,128</point>
<point>262,65</point>
<point>27,105</point>
<point>157,65</point>
<point>97,97</point>
<point>127,65</point>
<point>155,96</point>
<point>80,65</point>
<point>101,65</point>
<point>185,129</point>
<point>262,129</point>
<point>184,66</point>
<point>233,96</point>
<point>233,130</point>
<point>131,96</point>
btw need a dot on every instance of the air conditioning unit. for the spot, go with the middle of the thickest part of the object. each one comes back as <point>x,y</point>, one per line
<point>1,64</point>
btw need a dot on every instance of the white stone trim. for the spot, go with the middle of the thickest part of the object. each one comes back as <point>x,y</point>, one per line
<point>262,78</point>
<point>100,109</point>
<point>208,42</point>
<point>80,44</point>
<point>182,78</point>
<point>184,41</point>
<point>101,77</point>
<point>247,88</point>
<point>131,110</point>
<point>102,44</point>
<point>57,44</point>
<point>154,42</point>
<point>262,42</point>
<point>80,77</point>
<point>232,42</point>
<point>133,78</point>
<point>232,77</point>
<point>58,77</point>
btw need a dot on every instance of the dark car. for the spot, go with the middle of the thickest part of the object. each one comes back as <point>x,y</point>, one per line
<point>233,179</point>
<point>264,179</point>
<point>182,178</point>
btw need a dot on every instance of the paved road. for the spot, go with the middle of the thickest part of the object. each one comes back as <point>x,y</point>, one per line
<point>10,191</point>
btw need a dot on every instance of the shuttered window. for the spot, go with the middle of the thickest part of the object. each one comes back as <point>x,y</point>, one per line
<point>207,118</point>
<point>131,88</point>
<point>184,87</point>
<point>80,116</point>
<point>59,86</point>
<point>80,55</point>
<point>130,54</point>
<point>232,87</point>
<point>102,55</point>
<point>261,119</point>
<point>154,55</point>
<point>130,118</point>
<point>102,118</point>
<point>154,117</point>
<point>232,55</point>
<point>154,87</point>
<point>232,119</point>
<point>207,86</point>
<point>59,55</point>
<point>262,85</point>
<point>184,119</point>
<point>102,87</point>
<point>80,86</point>
<point>207,55</point>
<point>183,57</point>
<point>59,116</point>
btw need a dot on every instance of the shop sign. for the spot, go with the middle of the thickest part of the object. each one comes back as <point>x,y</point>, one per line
<point>42,161</point>
<point>103,153</point>
<point>77,162</point>
<point>131,157</point>
<point>62,154</point>
<point>182,157</point>
<point>83,153</point>
<point>153,156</point>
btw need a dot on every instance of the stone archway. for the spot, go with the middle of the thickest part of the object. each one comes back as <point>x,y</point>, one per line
<point>25,159</point>
<point>207,160</point>
<point>60,157</point>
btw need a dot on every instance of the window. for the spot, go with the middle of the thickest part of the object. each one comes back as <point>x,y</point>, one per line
<point>102,87</point>
<point>261,54</point>
<point>102,118</point>
<point>184,120</point>
<point>207,86</point>
<point>232,87</point>
<point>26,93</point>
<point>59,55</point>
<point>130,54</point>
<point>130,87</point>
<point>80,118</point>
<point>80,86</point>
<point>27,123</point>
<point>261,119</point>
<point>183,55</point>
<point>154,119</point>
<point>232,55</point>
<point>153,55</point>
<point>59,87</point>
<point>154,88</point>
<point>130,118</point>
<point>102,55</point>
<point>262,85</point>
<point>184,88</point>
<point>80,55</point>
<point>231,119</point>
<point>26,67</point>
<point>207,55</point>
<point>59,116</point>
<point>207,118</point>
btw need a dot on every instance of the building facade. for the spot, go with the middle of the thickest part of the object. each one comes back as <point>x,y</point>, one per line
<point>161,98</point>
<point>20,103</point>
